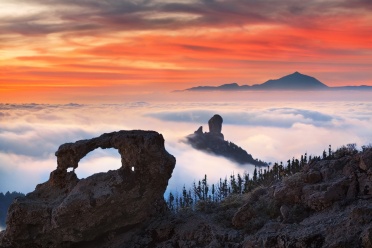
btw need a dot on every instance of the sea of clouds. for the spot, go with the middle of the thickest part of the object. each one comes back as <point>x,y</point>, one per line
<point>271,131</point>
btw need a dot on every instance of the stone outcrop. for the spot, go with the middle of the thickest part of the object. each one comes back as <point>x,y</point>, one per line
<point>324,205</point>
<point>66,211</point>
<point>213,142</point>
<point>215,126</point>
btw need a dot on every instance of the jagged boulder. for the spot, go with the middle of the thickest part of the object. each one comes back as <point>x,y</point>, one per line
<point>65,211</point>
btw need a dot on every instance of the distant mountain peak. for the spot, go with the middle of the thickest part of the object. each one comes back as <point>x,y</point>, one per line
<point>232,86</point>
<point>295,81</point>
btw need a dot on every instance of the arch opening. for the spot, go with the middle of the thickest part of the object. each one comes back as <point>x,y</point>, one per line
<point>97,161</point>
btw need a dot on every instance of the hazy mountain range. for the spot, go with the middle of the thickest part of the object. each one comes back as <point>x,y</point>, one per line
<point>295,81</point>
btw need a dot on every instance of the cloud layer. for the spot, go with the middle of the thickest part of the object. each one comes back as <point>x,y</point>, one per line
<point>272,117</point>
<point>31,133</point>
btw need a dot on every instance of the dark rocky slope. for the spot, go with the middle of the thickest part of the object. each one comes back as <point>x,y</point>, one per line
<point>213,142</point>
<point>327,204</point>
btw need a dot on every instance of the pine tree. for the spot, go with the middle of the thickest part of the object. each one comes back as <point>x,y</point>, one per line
<point>170,201</point>
<point>198,191</point>
<point>213,193</point>
<point>246,183</point>
<point>240,184</point>
<point>204,188</point>
<point>255,174</point>
<point>233,184</point>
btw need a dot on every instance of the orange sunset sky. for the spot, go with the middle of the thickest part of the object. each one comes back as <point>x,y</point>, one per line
<point>68,50</point>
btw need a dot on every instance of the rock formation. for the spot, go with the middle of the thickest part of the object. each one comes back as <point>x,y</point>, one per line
<point>215,126</point>
<point>324,205</point>
<point>279,215</point>
<point>66,211</point>
<point>327,204</point>
<point>213,142</point>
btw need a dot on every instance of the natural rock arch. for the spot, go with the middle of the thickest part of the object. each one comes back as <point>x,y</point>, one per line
<point>69,154</point>
<point>98,161</point>
<point>68,210</point>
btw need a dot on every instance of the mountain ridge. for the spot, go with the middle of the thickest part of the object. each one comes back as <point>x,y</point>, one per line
<point>295,81</point>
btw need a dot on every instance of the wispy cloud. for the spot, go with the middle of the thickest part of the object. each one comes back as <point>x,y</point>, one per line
<point>150,15</point>
<point>273,117</point>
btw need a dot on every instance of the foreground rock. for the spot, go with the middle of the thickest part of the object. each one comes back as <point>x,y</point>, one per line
<point>327,204</point>
<point>307,209</point>
<point>213,142</point>
<point>66,211</point>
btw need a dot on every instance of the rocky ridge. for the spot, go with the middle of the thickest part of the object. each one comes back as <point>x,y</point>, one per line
<point>213,142</point>
<point>324,205</point>
<point>327,204</point>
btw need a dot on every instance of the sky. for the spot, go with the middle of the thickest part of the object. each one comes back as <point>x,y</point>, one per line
<point>61,51</point>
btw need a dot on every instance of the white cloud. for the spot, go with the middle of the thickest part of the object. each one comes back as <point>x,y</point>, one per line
<point>272,117</point>
<point>22,173</point>
<point>30,135</point>
<point>97,161</point>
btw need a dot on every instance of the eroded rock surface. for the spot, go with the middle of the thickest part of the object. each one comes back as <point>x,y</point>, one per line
<point>324,205</point>
<point>65,211</point>
<point>213,142</point>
